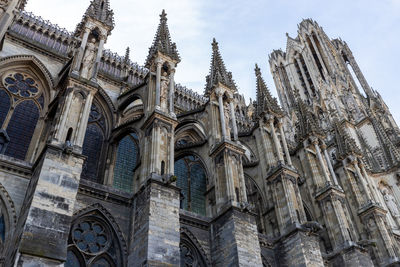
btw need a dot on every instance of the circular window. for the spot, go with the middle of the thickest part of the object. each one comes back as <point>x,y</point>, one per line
<point>21,85</point>
<point>91,237</point>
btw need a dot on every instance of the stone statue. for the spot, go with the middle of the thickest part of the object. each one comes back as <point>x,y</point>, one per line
<point>390,203</point>
<point>89,59</point>
<point>164,92</point>
<point>227,119</point>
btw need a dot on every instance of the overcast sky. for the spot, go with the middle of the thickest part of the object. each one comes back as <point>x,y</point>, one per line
<point>247,31</point>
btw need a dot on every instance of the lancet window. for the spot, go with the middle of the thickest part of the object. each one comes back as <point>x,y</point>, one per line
<point>126,161</point>
<point>93,144</point>
<point>191,178</point>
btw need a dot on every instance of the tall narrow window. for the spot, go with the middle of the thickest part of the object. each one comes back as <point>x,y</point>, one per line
<point>125,164</point>
<point>4,106</point>
<point>93,144</point>
<point>20,121</point>
<point>316,59</point>
<point>191,178</point>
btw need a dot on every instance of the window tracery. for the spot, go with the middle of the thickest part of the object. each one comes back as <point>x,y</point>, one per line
<point>191,178</point>
<point>93,144</point>
<point>190,256</point>
<point>126,161</point>
<point>93,243</point>
<point>21,101</point>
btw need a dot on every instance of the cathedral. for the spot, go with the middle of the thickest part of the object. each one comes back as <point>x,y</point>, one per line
<point>105,162</point>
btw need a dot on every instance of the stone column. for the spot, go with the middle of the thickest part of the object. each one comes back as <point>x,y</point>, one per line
<point>371,182</point>
<point>276,141</point>
<point>81,50</point>
<point>158,83</point>
<point>283,137</point>
<point>233,116</point>
<point>221,115</point>
<point>328,161</point>
<point>64,115</point>
<point>84,120</point>
<point>171,91</point>
<point>98,58</point>
<point>321,161</point>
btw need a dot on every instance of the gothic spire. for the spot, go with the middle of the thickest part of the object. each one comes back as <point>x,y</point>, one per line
<point>218,72</point>
<point>98,10</point>
<point>162,42</point>
<point>345,143</point>
<point>306,125</point>
<point>265,101</point>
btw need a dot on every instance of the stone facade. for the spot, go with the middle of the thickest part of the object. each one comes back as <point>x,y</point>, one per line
<point>104,162</point>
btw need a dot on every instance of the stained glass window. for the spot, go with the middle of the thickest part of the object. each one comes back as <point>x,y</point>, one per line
<point>93,242</point>
<point>93,144</point>
<point>92,150</point>
<point>2,228</point>
<point>4,106</point>
<point>72,260</point>
<point>127,156</point>
<point>191,178</point>
<point>24,116</point>
<point>21,128</point>
<point>101,263</point>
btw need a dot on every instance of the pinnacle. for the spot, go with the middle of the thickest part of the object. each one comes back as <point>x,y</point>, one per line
<point>162,42</point>
<point>265,102</point>
<point>100,11</point>
<point>218,72</point>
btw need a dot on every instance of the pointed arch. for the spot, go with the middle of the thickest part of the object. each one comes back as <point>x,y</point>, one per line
<point>26,88</point>
<point>8,219</point>
<point>106,239</point>
<point>193,248</point>
<point>257,200</point>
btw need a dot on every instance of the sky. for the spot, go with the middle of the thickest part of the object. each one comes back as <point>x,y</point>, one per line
<point>247,32</point>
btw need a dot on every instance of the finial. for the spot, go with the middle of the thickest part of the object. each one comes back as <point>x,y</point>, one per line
<point>127,53</point>
<point>287,35</point>
<point>214,44</point>
<point>257,70</point>
<point>163,15</point>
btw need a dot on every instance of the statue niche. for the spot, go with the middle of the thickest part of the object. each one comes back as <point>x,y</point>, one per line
<point>89,56</point>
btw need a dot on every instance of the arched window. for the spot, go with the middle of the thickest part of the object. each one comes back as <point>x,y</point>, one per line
<point>93,242</point>
<point>19,111</point>
<point>93,144</point>
<point>125,164</point>
<point>191,178</point>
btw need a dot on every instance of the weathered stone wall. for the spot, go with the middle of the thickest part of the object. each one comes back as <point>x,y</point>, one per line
<point>299,249</point>
<point>156,227</point>
<point>235,240</point>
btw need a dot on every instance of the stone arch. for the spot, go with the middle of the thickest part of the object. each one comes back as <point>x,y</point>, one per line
<point>188,238</point>
<point>100,214</point>
<point>192,132</point>
<point>257,201</point>
<point>8,217</point>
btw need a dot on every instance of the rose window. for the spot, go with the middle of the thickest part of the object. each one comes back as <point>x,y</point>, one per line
<point>21,84</point>
<point>91,237</point>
